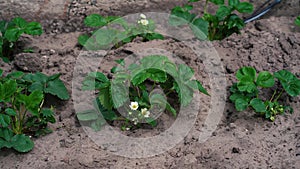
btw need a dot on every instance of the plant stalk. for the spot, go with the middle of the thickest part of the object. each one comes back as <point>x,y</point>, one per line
<point>205,6</point>
<point>278,96</point>
<point>273,95</point>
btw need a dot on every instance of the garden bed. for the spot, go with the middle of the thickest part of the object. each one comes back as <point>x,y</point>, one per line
<point>241,140</point>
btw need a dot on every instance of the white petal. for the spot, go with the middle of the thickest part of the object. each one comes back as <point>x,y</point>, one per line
<point>147,114</point>
<point>134,105</point>
<point>143,16</point>
<point>144,22</point>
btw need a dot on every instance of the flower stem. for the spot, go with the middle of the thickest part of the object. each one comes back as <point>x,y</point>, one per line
<point>138,91</point>
<point>273,95</point>
<point>278,96</point>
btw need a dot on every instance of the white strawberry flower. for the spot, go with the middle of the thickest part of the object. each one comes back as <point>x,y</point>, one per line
<point>134,105</point>
<point>144,22</point>
<point>145,112</point>
<point>143,16</point>
<point>135,121</point>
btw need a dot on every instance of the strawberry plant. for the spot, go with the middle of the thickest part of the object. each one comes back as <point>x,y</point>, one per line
<point>212,26</point>
<point>110,36</point>
<point>130,90</point>
<point>11,31</point>
<point>22,114</point>
<point>246,92</point>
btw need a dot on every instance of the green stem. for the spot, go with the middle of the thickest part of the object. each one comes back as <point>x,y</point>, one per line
<point>205,7</point>
<point>270,99</point>
<point>40,108</point>
<point>278,96</point>
<point>22,115</point>
<point>170,91</point>
<point>153,86</point>
<point>138,91</point>
<point>213,33</point>
<point>273,95</point>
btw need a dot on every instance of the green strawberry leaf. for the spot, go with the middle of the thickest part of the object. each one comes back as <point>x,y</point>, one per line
<point>241,104</point>
<point>95,20</point>
<point>48,114</point>
<point>265,79</point>
<point>87,115</point>
<point>37,77</point>
<point>32,101</point>
<point>238,95</point>
<point>180,16</point>
<point>170,68</point>
<point>151,121</point>
<point>248,72</point>
<point>185,72</point>
<point>223,11</point>
<point>6,133</point>
<point>97,124</point>
<point>195,84</point>
<point>8,89</point>
<point>233,3</point>
<point>119,94</point>
<point>292,88</point>
<point>217,2</point>
<point>235,22</point>
<point>200,28</point>
<point>140,77</point>
<point>57,88</point>
<point>10,112</point>
<point>98,76</point>
<point>105,97</point>
<point>258,105</point>
<point>153,61</point>
<point>246,85</point>
<point>13,34</point>
<point>153,36</point>
<point>185,94</point>
<point>22,143</point>
<point>82,39</point>
<point>15,75</point>
<point>20,22</point>
<point>33,28</point>
<point>289,82</point>
<point>105,37</point>
<point>107,114</point>
<point>297,21</point>
<point>244,7</point>
<point>4,120</point>
<point>157,75</point>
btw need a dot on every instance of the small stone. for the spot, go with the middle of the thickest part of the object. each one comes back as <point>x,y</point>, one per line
<point>236,150</point>
<point>62,143</point>
<point>52,51</point>
<point>232,125</point>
